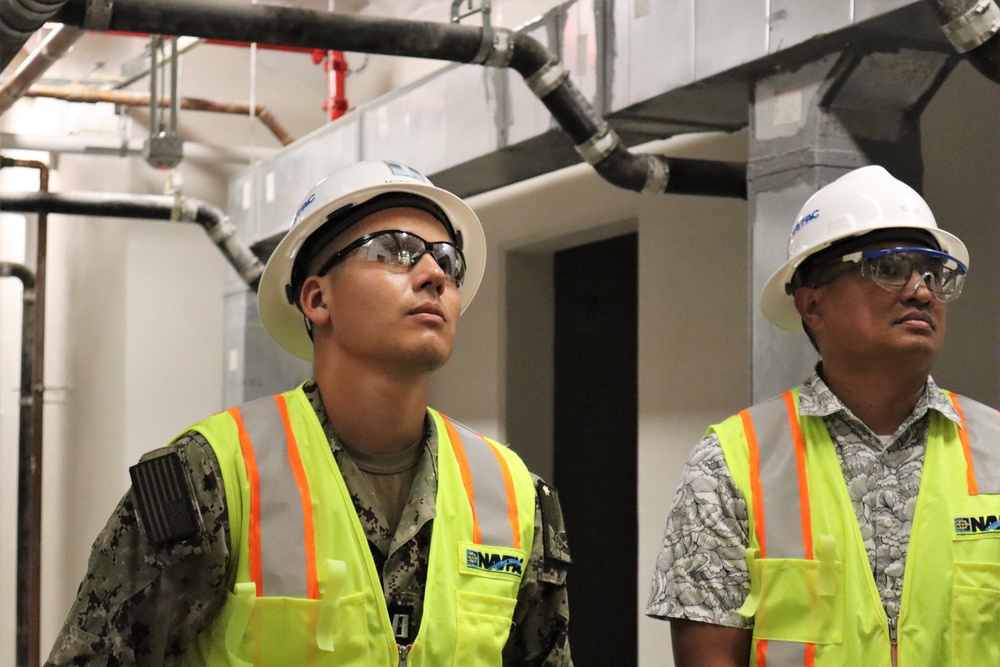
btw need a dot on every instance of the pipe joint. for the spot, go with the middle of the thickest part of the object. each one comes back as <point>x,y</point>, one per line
<point>657,175</point>
<point>549,77</point>
<point>975,27</point>
<point>599,146</point>
<point>97,16</point>
<point>185,210</point>
<point>497,48</point>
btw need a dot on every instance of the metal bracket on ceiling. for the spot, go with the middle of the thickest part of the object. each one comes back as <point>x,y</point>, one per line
<point>494,50</point>
<point>163,148</point>
<point>484,9</point>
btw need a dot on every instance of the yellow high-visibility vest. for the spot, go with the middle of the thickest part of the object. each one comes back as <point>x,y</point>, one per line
<point>812,593</point>
<point>306,588</point>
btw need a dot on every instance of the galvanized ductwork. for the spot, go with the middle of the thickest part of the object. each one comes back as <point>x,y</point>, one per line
<point>548,79</point>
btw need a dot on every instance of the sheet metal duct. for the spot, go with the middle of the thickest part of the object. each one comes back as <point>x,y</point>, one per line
<point>548,79</point>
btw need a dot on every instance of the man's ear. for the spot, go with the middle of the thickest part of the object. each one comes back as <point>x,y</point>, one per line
<point>808,302</point>
<point>313,300</point>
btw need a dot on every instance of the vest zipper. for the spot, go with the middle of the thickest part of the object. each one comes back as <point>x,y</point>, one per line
<point>894,647</point>
<point>403,652</point>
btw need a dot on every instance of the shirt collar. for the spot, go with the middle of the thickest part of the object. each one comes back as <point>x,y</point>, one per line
<point>817,400</point>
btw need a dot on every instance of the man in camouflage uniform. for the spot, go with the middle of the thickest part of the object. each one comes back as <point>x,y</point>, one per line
<point>143,602</point>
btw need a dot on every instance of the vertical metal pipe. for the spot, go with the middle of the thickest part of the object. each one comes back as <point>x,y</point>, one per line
<point>173,85</point>
<point>29,490</point>
<point>154,73</point>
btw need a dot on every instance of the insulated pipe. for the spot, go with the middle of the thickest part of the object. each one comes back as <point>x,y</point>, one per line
<point>19,19</point>
<point>29,486</point>
<point>151,207</point>
<point>971,27</point>
<point>128,99</point>
<point>131,148</point>
<point>595,141</point>
<point>53,47</point>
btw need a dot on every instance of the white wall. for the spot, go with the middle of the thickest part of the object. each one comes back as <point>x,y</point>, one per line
<point>12,242</point>
<point>133,354</point>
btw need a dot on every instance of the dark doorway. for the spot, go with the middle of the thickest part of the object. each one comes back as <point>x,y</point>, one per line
<point>595,438</point>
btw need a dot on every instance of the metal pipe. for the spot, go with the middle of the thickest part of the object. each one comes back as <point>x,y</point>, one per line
<point>131,148</point>
<point>971,26</point>
<point>52,48</point>
<point>129,99</point>
<point>593,138</point>
<point>25,471</point>
<point>151,207</point>
<point>29,487</point>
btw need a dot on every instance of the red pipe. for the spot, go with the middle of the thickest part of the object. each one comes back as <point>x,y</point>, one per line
<point>335,66</point>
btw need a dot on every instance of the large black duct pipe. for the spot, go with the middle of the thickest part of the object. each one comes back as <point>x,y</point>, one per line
<point>971,26</point>
<point>148,207</point>
<point>19,19</point>
<point>594,140</point>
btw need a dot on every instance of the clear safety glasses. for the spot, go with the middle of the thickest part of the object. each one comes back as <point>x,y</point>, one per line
<point>893,268</point>
<point>398,248</point>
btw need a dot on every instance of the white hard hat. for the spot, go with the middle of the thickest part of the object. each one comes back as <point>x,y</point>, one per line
<point>339,192</point>
<point>862,201</point>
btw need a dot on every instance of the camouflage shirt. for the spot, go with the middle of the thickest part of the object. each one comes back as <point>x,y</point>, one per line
<point>141,604</point>
<point>701,573</point>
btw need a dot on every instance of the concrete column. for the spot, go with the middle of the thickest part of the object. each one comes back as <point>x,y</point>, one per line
<point>808,126</point>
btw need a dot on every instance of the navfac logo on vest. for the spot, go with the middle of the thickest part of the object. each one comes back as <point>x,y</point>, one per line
<point>968,525</point>
<point>493,562</point>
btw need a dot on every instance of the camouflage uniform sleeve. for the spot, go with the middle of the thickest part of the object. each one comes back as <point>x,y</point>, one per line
<point>139,603</point>
<point>540,634</point>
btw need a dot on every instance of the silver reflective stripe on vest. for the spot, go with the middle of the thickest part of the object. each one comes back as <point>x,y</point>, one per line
<point>782,504</point>
<point>490,493</point>
<point>983,426</point>
<point>778,480</point>
<point>282,526</point>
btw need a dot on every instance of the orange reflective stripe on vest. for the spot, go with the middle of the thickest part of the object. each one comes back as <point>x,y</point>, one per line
<point>489,486</point>
<point>253,479</point>
<point>787,529</point>
<point>980,434</point>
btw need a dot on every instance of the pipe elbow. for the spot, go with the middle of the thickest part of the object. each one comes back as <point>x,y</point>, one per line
<point>972,26</point>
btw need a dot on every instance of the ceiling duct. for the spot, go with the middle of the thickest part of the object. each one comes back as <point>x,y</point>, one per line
<point>548,79</point>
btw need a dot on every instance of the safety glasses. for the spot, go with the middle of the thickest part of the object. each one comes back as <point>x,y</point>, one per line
<point>398,248</point>
<point>892,269</point>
